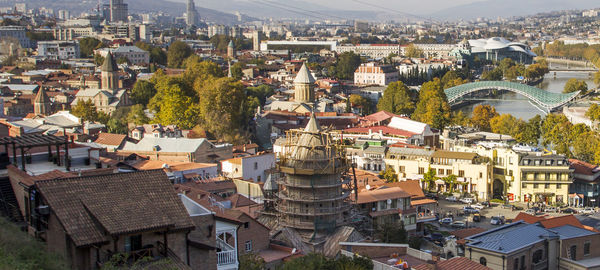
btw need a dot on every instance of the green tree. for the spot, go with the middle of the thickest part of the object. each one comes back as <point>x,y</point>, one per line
<point>177,53</point>
<point>346,64</point>
<point>122,60</point>
<point>413,52</point>
<point>359,101</point>
<point>433,107</point>
<point>389,232</point>
<point>593,112</point>
<point>88,45</point>
<point>586,146</point>
<point>450,181</point>
<point>251,261</point>
<point>117,126</point>
<point>224,108</point>
<point>597,78</point>
<point>236,70</point>
<point>172,105</point>
<point>460,119</point>
<point>142,92</point>
<point>137,115</point>
<point>429,178</point>
<point>492,75</point>
<point>262,92</point>
<point>157,55</point>
<point>482,114</point>
<point>85,110</point>
<point>574,85</point>
<point>389,175</point>
<point>396,99</point>
<point>98,59</point>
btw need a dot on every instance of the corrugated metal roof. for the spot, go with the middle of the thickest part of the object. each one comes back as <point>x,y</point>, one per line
<point>509,238</point>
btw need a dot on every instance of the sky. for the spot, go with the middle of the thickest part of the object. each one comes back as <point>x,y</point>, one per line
<point>409,6</point>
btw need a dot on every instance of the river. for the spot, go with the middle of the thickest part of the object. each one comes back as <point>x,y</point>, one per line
<point>519,106</point>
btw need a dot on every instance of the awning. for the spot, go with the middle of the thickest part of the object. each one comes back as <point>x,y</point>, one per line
<point>439,182</point>
<point>422,202</point>
<point>575,195</point>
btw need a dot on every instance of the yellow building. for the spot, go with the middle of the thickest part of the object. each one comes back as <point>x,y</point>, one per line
<point>545,178</point>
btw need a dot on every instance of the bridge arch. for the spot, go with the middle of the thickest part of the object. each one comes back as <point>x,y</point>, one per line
<point>546,100</point>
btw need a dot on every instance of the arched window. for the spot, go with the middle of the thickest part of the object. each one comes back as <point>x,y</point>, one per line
<point>483,261</point>
<point>516,264</point>
<point>538,255</point>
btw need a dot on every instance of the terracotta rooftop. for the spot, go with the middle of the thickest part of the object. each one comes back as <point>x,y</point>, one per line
<point>382,194</point>
<point>553,222</point>
<point>238,200</point>
<point>93,209</point>
<point>582,167</point>
<point>412,187</point>
<point>110,139</point>
<point>455,263</point>
<point>464,233</point>
<point>383,129</point>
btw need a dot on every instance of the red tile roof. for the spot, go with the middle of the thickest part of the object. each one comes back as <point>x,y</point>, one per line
<point>379,116</point>
<point>464,233</point>
<point>455,263</point>
<point>582,167</point>
<point>553,222</point>
<point>110,139</point>
<point>528,218</point>
<point>411,186</point>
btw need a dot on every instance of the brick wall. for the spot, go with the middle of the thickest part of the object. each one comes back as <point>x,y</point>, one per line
<point>256,232</point>
<point>204,233</point>
<point>15,176</point>
<point>594,241</point>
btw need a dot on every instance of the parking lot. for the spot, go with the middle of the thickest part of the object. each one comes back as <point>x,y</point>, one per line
<point>456,208</point>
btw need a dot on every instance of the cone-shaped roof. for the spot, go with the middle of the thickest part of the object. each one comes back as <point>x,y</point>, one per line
<point>313,124</point>
<point>41,96</point>
<point>304,75</point>
<point>109,64</point>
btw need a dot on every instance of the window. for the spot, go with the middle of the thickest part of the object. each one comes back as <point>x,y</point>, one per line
<point>480,175</point>
<point>535,185</point>
<point>421,170</point>
<point>402,169</point>
<point>573,252</point>
<point>441,171</point>
<point>461,173</point>
<point>558,186</point>
<point>256,165</point>
<point>248,245</point>
<point>246,225</point>
<point>586,249</point>
<point>537,257</point>
<point>522,261</point>
<point>448,172</point>
<point>133,243</point>
<point>546,185</point>
<point>516,264</point>
<point>523,185</point>
<point>483,261</point>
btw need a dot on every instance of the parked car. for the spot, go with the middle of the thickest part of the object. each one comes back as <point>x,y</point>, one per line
<point>517,208</point>
<point>551,209</point>
<point>478,206</point>
<point>451,199</point>
<point>531,211</point>
<point>436,238</point>
<point>445,221</point>
<point>507,206</point>
<point>467,200</point>
<point>497,220</point>
<point>588,211</point>
<point>569,211</point>
<point>470,210</point>
<point>477,217</point>
<point>487,204</point>
<point>458,224</point>
<point>432,195</point>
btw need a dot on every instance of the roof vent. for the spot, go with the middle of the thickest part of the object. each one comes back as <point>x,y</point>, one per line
<point>368,187</point>
<point>165,166</point>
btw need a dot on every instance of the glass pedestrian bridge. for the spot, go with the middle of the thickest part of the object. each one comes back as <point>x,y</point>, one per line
<point>546,100</point>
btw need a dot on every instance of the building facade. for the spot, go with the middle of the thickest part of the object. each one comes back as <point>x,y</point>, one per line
<point>59,50</point>
<point>371,74</point>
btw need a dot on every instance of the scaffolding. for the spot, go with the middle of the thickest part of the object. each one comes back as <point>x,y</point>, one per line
<point>312,196</point>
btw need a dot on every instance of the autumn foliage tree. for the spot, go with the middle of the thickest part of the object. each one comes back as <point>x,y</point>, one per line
<point>482,114</point>
<point>396,99</point>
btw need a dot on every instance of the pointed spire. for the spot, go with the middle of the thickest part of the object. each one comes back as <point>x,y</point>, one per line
<point>109,64</point>
<point>304,75</point>
<point>41,96</point>
<point>313,124</point>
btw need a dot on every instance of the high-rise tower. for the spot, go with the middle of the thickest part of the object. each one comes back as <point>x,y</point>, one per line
<point>118,11</point>
<point>191,14</point>
<point>304,86</point>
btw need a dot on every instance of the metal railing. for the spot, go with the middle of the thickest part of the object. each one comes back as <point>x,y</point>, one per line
<point>227,257</point>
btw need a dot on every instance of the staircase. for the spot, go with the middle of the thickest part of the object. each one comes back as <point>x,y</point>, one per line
<point>9,207</point>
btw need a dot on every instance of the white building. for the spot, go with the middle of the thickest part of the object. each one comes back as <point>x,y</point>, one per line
<point>59,50</point>
<point>135,55</point>
<point>375,51</point>
<point>371,74</point>
<point>252,167</point>
<point>16,32</point>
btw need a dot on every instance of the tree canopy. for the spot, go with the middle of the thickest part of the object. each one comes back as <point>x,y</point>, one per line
<point>87,46</point>
<point>177,53</point>
<point>574,85</point>
<point>396,99</point>
<point>346,64</point>
<point>433,107</point>
<point>482,114</point>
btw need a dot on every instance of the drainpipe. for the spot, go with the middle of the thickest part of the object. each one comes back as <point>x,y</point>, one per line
<point>503,257</point>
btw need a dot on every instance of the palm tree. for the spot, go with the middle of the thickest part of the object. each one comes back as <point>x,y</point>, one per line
<point>451,181</point>
<point>429,178</point>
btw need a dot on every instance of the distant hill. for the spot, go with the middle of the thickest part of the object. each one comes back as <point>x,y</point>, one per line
<point>135,6</point>
<point>509,8</point>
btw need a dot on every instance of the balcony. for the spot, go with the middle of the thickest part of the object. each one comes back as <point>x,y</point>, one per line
<point>540,265</point>
<point>226,258</point>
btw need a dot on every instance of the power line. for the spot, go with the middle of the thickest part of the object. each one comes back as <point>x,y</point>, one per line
<point>394,10</point>
<point>323,14</point>
<point>290,10</point>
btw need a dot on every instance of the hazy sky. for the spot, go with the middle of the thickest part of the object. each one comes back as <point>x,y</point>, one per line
<point>409,6</point>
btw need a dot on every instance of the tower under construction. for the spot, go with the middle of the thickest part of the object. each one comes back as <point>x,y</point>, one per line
<point>310,196</point>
